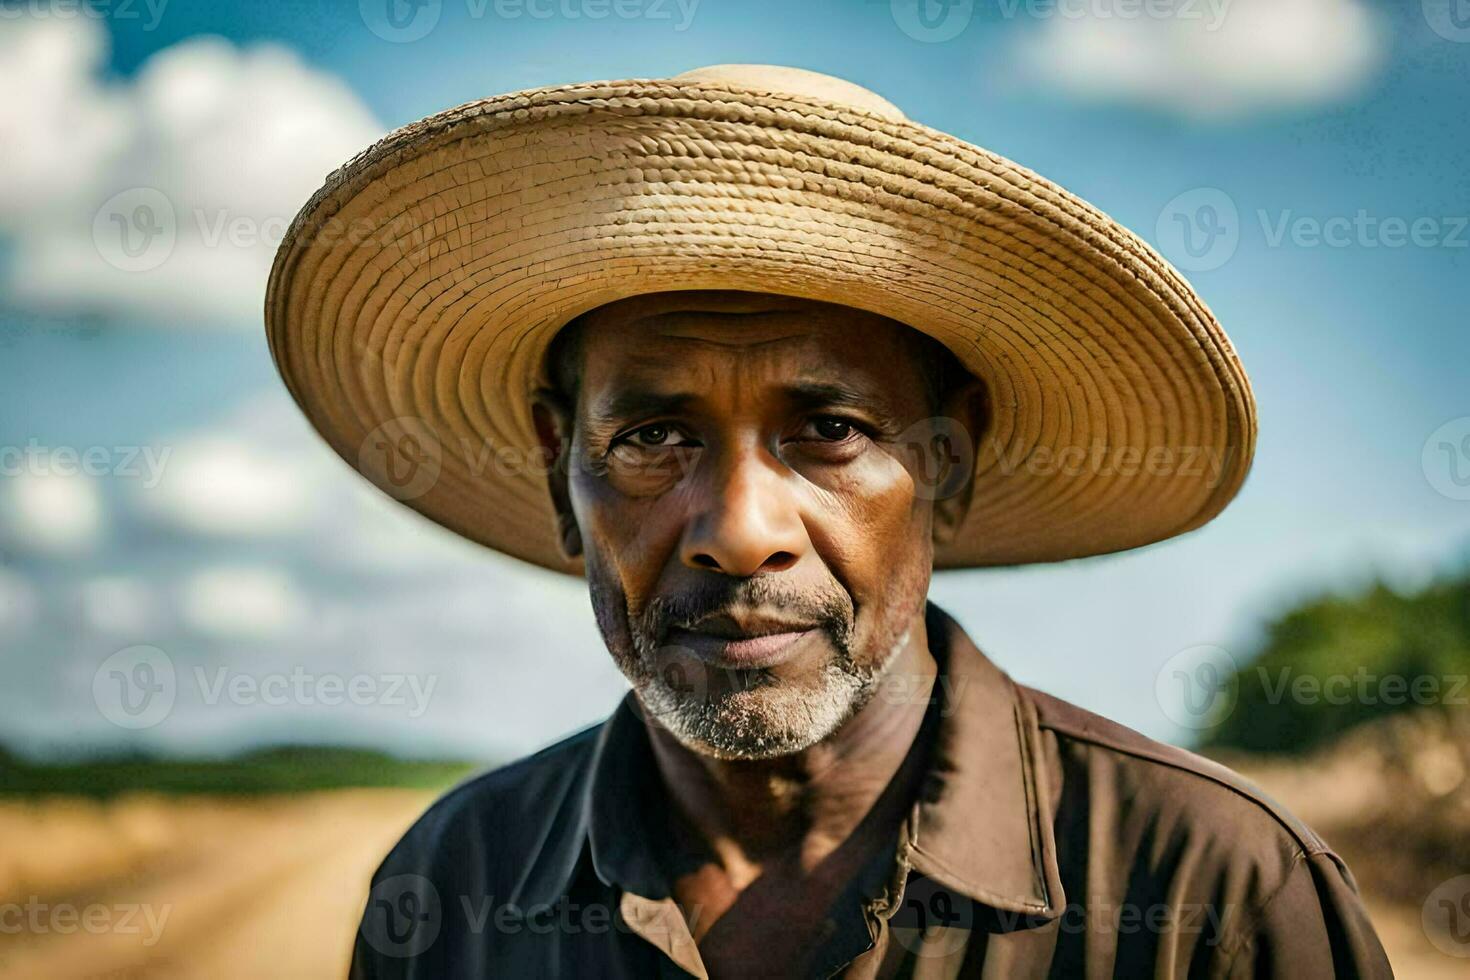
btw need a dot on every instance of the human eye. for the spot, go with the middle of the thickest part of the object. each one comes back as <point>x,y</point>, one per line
<point>831,429</point>
<point>655,435</point>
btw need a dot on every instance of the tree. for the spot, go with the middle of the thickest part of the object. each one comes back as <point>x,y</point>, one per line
<point>1335,662</point>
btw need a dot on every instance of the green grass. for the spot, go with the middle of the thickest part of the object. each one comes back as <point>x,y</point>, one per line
<point>288,769</point>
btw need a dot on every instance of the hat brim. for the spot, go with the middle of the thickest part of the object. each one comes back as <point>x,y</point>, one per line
<point>413,298</point>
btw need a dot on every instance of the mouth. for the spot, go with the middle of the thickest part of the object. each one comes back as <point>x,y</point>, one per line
<point>724,641</point>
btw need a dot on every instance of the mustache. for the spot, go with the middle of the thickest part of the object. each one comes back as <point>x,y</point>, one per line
<point>826,606</point>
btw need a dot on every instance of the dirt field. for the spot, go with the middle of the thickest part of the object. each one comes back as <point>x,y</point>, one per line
<point>259,887</point>
<point>255,887</point>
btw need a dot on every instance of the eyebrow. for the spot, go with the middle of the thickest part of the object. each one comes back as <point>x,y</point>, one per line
<point>639,402</point>
<point>819,394</point>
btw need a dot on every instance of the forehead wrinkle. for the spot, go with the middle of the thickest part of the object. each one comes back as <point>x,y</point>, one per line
<point>729,329</point>
<point>723,318</point>
<point>692,363</point>
<point>733,345</point>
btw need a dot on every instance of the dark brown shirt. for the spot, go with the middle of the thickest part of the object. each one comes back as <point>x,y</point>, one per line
<point>1046,842</point>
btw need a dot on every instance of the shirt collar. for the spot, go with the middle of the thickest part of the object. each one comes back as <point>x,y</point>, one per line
<point>981,827</point>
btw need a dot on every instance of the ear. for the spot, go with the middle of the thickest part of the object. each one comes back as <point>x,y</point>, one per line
<point>965,416</point>
<point>553,418</point>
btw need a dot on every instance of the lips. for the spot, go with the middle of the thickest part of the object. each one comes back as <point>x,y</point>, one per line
<point>742,642</point>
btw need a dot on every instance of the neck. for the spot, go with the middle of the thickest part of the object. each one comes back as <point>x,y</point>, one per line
<point>798,809</point>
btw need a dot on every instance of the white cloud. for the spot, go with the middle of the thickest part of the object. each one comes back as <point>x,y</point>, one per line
<point>1215,59</point>
<point>58,128</point>
<point>220,484</point>
<point>245,602</point>
<point>165,196</point>
<point>53,514</point>
<point>262,472</point>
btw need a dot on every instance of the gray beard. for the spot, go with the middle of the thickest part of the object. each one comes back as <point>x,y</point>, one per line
<point>754,716</point>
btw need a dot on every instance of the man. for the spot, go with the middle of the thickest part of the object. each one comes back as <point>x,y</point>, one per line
<point>755,354</point>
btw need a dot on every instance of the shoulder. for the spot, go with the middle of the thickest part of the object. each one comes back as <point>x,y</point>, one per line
<point>1164,780</point>
<point>469,857</point>
<point>1270,896</point>
<point>499,820</point>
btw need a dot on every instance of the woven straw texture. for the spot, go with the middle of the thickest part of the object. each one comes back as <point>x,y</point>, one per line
<point>413,298</point>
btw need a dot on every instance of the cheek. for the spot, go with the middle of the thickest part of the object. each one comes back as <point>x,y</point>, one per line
<point>624,535</point>
<point>609,607</point>
<point>868,522</point>
<point>895,556</point>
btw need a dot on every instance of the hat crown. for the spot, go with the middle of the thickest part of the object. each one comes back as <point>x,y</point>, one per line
<point>780,79</point>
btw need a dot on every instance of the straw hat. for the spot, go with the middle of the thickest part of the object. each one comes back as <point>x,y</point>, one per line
<point>413,298</point>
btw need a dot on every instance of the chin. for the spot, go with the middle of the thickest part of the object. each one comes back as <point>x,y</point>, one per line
<point>766,721</point>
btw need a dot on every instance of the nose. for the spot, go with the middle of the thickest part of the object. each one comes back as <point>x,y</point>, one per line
<point>748,521</point>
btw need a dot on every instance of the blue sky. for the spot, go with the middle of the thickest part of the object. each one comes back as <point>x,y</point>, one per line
<point>1318,123</point>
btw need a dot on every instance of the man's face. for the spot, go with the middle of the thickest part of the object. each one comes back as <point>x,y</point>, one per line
<point>751,509</point>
